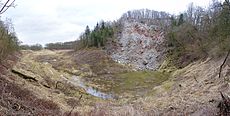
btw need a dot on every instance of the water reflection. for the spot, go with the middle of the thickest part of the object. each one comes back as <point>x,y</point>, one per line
<point>77,81</point>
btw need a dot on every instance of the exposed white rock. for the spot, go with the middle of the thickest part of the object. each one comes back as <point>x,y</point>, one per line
<point>139,46</point>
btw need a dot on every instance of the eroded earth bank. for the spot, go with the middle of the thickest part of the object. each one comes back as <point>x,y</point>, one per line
<point>89,82</point>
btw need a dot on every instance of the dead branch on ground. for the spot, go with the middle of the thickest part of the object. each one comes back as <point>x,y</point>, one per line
<point>74,106</point>
<point>221,66</point>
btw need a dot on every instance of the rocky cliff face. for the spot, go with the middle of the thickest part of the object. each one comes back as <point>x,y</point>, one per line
<point>139,45</point>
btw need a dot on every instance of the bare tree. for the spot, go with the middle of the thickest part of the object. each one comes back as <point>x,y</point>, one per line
<point>7,5</point>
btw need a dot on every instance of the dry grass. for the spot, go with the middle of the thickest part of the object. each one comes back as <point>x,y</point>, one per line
<point>193,90</point>
<point>18,100</point>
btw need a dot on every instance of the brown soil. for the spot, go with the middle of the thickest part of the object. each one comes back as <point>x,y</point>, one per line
<point>17,100</point>
<point>193,90</point>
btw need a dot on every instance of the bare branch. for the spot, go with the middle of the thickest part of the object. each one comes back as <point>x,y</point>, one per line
<point>223,63</point>
<point>6,6</point>
<point>74,106</point>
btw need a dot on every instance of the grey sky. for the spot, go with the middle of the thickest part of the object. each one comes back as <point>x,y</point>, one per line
<point>44,21</point>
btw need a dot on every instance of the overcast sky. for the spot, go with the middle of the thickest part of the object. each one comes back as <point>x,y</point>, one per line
<point>45,21</point>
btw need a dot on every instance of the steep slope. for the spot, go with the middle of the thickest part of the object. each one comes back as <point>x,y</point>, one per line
<point>193,90</point>
<point>140,45</point>
<point>53,86</point>
<point>16,98</point>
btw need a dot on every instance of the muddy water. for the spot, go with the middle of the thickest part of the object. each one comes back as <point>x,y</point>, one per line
<point>77,81</point>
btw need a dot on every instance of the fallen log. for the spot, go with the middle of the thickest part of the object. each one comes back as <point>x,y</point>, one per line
<point>24,76</point>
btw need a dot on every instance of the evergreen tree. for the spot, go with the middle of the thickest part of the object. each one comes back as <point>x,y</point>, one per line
<point>97,37</point>
<point>181,19</point>
<point>87,36</point>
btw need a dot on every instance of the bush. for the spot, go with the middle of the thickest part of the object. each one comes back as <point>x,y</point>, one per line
<point>8,41</point>
<point>186,44</point>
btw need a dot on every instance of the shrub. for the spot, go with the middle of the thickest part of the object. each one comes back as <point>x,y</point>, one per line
<point>8,41</point>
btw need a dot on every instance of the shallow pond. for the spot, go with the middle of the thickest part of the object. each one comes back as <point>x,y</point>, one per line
<point>77,81</point>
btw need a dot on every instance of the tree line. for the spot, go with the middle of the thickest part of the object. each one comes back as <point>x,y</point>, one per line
<point>96,37</point>
<point>50,46</point>
<point>199,33</point>
<point>145,14</point>
<point>60,45</point>
<point>35,47</point>
<point>108,31</point>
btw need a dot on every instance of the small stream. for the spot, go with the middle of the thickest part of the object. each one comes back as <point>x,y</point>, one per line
<point>77,81</point>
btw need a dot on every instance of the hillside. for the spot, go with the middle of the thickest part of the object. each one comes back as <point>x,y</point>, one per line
<point>52,79</point>
<point>145,63</point>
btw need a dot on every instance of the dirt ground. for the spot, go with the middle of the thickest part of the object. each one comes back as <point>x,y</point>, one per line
<point>36,83</point>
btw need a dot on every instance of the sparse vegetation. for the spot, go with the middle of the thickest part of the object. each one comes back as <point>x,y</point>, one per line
<point>9,43</point>
<point>16,100</point>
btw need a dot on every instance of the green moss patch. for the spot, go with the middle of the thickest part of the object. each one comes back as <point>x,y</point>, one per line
<point>140,82</point>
